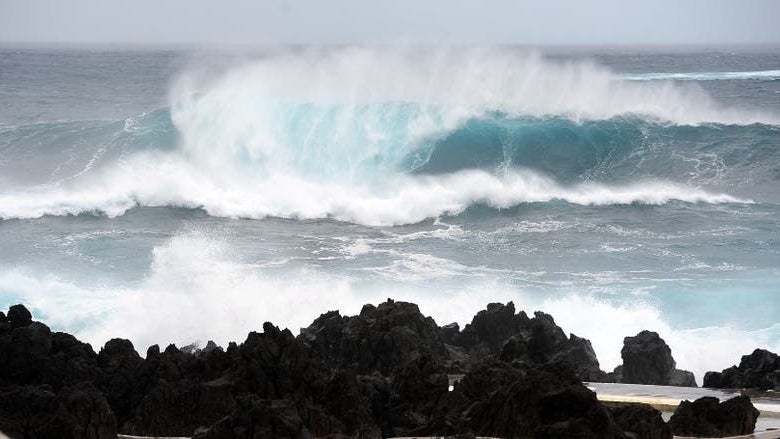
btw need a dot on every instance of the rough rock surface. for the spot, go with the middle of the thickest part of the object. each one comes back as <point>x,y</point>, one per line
<point>513,400</point>
<point>381,373</point>
<point>77,412</point>
<point>759,370</point>
<point>647,359</point>
<point>708,417</point>
<point>380,338</point>
<point>498,332</point>
<point>641,421</point>
<point>255,417</point>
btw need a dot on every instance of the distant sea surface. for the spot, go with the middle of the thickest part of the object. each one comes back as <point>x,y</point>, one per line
<point>168,196</point>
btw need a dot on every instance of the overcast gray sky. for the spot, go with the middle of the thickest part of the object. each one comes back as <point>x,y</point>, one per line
<point>227,22</point>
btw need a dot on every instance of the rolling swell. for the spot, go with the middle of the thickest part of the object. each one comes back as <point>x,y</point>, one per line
<point>334,135</point>
<point>606,150</point>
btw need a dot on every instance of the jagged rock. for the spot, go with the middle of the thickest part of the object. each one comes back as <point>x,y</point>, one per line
<point>759,370</point>
<point>274,364</point>
<point>706,417</point>
<point>19,316</point>
<point>511,400</point>
<point>641,421</point>
<point>358,402</point>
<point>122,387</point>
<point>378,339</point>
<point>540,341</point>
<point>449,333</point>
<point>255,417</point>
<point>24,354</point>
<point>178,409</point>
<point>647,359</point>
<point>416,389</point>
<point>75,412</point>
<point>490,329</point>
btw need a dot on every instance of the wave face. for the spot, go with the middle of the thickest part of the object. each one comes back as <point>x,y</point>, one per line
<point>390,137</point>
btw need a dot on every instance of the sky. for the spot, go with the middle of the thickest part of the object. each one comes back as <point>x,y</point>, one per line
<point>258,22</point>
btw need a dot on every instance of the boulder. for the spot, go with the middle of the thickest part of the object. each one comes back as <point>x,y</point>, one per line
<point>641,421</point>
<point>759,370</point>
<point>708,417</point>
<point>647,359</point>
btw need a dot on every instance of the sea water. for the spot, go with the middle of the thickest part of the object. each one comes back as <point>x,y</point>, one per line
<point>180,196</point>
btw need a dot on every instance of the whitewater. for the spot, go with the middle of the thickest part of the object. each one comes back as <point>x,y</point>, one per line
<point>142,191</point>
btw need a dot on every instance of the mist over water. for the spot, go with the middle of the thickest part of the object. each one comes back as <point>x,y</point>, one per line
<point>607,191</point>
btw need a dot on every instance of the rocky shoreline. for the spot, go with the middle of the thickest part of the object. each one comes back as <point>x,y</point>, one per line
<point>383,373</point>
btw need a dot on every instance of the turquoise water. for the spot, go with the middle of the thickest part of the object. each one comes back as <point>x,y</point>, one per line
<point>171,197</point>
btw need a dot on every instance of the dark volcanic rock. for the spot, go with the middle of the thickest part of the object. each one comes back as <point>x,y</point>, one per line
<point>416,389</point>
<point>76,412</point>
<point>274,364</point>
<point>498,332</point>
<point>123,386</point>
<point>19,316</point>
<point>379,339</point>
<point>178,409</point>
<point>641,421</point>
<point>508,400</point>
<point>759,370</point>
<point>378,374</point>
<point>647,359</point>
<point>24,354</point>
<point>255,417</point>
<point>706,417</point>
<point>540,341</point>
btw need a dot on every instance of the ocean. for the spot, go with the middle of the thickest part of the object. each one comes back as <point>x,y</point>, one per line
<point>179,196</point>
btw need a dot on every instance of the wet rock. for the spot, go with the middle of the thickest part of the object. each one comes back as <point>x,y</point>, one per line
<point>75,412</point>
<point>708,417</point>
<point>647,359</point>
<point>641,421</point>
<point>759,370</point>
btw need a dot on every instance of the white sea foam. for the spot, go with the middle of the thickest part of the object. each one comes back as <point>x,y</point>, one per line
<point>198,288</point>
<point>400,200</point>
<point>331,133</point>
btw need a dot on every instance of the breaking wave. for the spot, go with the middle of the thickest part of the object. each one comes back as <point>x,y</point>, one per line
<point>387,137</point>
